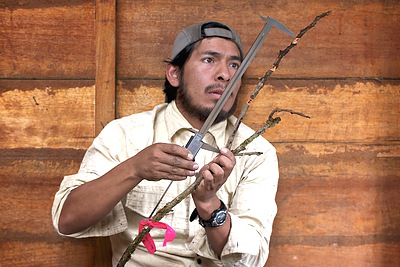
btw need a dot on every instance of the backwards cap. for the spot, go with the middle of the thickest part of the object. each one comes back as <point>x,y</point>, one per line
<point>199,31</point>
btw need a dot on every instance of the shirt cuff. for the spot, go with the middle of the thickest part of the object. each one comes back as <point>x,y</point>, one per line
<point>245,244</point>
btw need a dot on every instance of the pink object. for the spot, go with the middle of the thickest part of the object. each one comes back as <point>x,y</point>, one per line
<point>148,241</point>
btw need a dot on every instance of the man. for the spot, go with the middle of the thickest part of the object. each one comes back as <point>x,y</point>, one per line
<point>132,161</point>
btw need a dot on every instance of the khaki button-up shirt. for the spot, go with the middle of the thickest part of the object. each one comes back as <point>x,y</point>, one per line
<point>249,193</point>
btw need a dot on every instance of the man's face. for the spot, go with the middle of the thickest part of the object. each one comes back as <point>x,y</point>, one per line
<point>206,74</point>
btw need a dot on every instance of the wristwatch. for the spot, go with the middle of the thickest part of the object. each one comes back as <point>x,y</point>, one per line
<point>218,217</point>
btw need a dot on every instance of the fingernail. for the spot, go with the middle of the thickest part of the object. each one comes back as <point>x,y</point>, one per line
<point>195,166</point>
<point>190,156</point>
<point>224,150</point>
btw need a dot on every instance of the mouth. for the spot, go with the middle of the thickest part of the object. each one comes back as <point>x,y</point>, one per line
<point>216,92</point>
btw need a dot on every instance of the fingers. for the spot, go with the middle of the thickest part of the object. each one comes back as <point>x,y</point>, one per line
<point>177,161</point>
<point>177,151</point>
<point>213,177</point>
<point>216,172</point>
<point>165,161</point>
<point>225,159</point>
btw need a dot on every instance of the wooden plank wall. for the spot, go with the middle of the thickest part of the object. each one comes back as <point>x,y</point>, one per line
<point>47,71</point>
<point>339,189</point>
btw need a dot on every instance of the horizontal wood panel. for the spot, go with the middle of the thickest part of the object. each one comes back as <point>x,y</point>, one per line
<point>347,190</point>
<point>359,39</point>
<point>335,254</point>
<point>36,175</point>
<point>29,179</point>
<point>338,190</point>
<point>66,252</point>
<point>340,110</point>
<point>331,198</point>
<point>46,114</point>
<point>61,37</point>
<point>47,40</point>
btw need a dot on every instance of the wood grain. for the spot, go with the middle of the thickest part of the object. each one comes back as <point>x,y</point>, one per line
<point>50,114</point>
<point>47,40</point>
<point>29,179</point>
<point>359,39</point>
<point>105,63</point>
<point>371,255</point>
<point>341,110</point>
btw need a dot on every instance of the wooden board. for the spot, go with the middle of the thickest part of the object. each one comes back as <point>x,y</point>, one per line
<point>359,39</point>
<point>50,114</point>
<point>105,63</point>
<point>335,254</point>
<point>340,110</point>
<point>331,190</point>
<point>29,179</point>
<point>47,39</point>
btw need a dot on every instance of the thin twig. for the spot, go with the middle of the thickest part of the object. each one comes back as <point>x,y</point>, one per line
<point>262,81</point>
<point>241,154</point>
<point>271,122</point>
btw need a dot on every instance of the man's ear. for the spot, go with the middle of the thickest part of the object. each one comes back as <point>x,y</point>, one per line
<point>172,74</point>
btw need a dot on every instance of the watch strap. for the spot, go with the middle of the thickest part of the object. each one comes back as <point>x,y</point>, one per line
<point>210,222</point>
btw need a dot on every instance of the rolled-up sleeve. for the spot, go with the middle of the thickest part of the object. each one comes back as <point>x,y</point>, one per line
<point>115,222</point>
<point>98,159</point>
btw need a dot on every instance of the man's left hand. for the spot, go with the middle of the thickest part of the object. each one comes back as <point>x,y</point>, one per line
<point>214,175</point>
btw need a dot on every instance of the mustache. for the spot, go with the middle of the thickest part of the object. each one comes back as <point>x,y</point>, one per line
<point>215,86</point>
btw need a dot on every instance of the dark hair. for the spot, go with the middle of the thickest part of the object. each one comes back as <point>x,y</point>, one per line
<point>179,61</point>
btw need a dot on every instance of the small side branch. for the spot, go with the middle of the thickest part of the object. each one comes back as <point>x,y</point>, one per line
<point>271,122</point>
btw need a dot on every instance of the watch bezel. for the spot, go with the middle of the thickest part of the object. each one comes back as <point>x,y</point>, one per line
<point>218,217</point>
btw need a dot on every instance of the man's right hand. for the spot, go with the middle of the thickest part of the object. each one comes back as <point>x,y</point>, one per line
<point>163,161</point>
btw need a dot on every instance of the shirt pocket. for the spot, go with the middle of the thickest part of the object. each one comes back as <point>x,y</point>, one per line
<point>145,196</point>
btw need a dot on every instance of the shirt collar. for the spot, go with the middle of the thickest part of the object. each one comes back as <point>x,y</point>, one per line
<point>175,122</point>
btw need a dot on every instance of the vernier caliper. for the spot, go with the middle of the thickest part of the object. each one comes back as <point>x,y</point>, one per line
<point>195,142</point>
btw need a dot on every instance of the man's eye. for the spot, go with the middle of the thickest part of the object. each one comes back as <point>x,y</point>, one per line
<point>235,65</point>
<point>208,60</point>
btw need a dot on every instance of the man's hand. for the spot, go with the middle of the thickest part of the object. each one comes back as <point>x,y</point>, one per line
<point>163,161</point>
<point>205,197</point>
<point>215,175</point>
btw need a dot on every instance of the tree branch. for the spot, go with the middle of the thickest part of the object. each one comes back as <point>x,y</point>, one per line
<point>271,122</point>
<point>275,65</point>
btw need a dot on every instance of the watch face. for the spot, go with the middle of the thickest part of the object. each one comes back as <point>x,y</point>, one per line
<point>220,218</point>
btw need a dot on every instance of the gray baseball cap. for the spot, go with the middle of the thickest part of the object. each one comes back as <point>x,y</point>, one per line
<point>202,30</point>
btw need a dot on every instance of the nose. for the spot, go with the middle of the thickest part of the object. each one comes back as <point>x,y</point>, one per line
<point>223,73</point>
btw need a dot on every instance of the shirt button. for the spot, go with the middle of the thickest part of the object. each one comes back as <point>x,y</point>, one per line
<point>198,260</point>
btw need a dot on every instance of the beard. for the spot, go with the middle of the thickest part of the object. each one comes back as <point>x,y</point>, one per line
<point>202,113</point>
